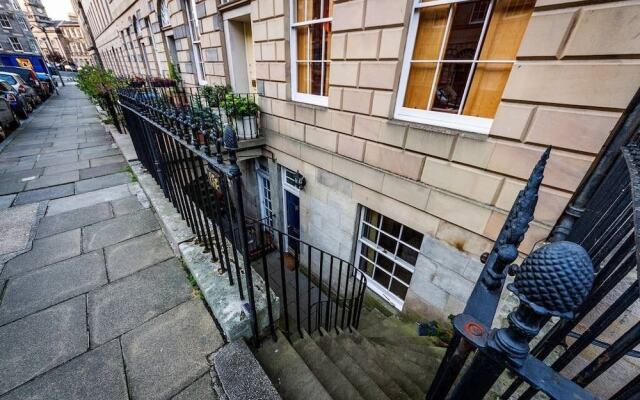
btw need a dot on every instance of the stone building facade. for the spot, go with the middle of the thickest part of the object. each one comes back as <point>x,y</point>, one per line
<point>64,38</point>
<point>15,34</point>
<point>415,123</point>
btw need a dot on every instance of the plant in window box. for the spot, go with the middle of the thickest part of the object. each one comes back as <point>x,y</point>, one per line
<point>242,114</point>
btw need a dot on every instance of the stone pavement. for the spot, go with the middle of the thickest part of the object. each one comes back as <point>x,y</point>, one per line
<point>93,302</point>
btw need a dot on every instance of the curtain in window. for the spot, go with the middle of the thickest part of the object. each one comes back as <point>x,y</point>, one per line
<point>504,34</point>
<point>431,30</point>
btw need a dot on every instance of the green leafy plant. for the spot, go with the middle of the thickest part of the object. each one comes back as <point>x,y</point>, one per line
<point>174,74</point>
<point>240,106</point>
<point>98,83</point>
<point>214,94</point>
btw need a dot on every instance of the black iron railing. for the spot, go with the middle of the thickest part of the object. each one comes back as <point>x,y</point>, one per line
<point>181,145</point>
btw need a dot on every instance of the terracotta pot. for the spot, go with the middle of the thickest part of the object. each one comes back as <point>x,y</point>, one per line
<point>289,261</point>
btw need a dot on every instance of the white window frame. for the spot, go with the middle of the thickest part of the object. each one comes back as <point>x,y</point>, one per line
<point>322,101</point>
<point>438,118</point>
<point>4,21</point>
<point>265,195</point>
<point>14,41</point>
<point>385,293</point>
<point>194,35</point>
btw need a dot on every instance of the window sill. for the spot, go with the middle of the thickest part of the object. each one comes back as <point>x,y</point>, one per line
<point>310,100</point>
<point>437,129</point>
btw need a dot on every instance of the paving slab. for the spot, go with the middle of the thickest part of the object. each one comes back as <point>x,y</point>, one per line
<point>118,229</point>
<point>122,305</point>
<point>93,143</point>
<point>49,193</point>
<point>72,166</point>
<point>101,182</point>
<point>39,342</point>
<point>202,389</point>
<point>87,199</point>
<point>19,175</point>
<point>99,154</point>
<point>10,186</point>
<point>53,180</point>
<point>96,162</point>
<point>96,375</point>
<point>15,225</point>
<point>46,251</point>
<point>52,284</point>
<point>106,169</point>
<point>186,334</point>
<point>59,147</point>
<point>125,206</point>
<point>95,149</point>
<point>135,254</point>
<point>69,220</point>
<point>5,201</point>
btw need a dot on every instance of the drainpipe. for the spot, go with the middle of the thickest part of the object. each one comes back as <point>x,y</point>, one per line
<point>622,133</point>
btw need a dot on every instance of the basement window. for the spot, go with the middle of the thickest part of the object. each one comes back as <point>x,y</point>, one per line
<point>387,252</point>
<point>462,52</point>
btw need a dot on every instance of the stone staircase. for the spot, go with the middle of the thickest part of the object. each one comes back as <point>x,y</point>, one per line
<point>384,359</point>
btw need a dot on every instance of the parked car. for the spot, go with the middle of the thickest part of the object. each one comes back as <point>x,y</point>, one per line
<point>46,82</point>
<point>21,86</point>
<point>8,119</point>
<point>18,101</point>
<point>30,77</point>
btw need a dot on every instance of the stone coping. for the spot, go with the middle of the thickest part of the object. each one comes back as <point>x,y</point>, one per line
<point>224,300</point>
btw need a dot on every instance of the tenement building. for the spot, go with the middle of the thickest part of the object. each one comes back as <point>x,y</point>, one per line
<point>16,40</point>
<point>414,123</point>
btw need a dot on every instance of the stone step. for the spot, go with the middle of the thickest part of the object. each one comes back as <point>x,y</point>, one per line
<point>368,364</point>
<point>349,367</point>
<point>390,363</point>
<point>421,368</point>
<point>370,318</point>
<point>391,327</point>
<point>325,370</point>
<point>289,373</point>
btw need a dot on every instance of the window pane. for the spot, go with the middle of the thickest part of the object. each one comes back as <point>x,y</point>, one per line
<point>419,85</point>
<point>302,35</point>
<point>450,89</point>
<point>368,252</point>
<point>391,227</point>
<point>407,254</point>
<point>465,32</point>
<point>431,30</point>
<point>486,89</point>
<point>328,9</point>
<point>509,20</point>
<point>316,78</point>
<point>372,217</point>
<point>385,263</point>
<point>398,289</point>
<point>403,274</point>
<point>381,277</point>
<point>307,10</point>
<point>412,237</point>
<point>366,266</point>
<point>303,77</point>
<point>369,233</point>
<point>387,243</point>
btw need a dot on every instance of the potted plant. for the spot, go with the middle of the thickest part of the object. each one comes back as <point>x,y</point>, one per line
<point>242,114</point>
<point>214,95</point>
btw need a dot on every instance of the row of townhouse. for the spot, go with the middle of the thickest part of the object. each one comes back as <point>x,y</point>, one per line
<point>414,123</point>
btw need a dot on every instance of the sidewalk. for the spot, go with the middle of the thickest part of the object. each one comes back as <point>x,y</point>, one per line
<point>93,302</point>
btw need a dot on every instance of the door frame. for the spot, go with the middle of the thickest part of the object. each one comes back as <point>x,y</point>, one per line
<point>228,18</point>
<point>287,187</point>
<point>261,174</point>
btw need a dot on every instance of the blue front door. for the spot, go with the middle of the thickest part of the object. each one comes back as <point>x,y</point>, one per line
<point>292,203</point>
